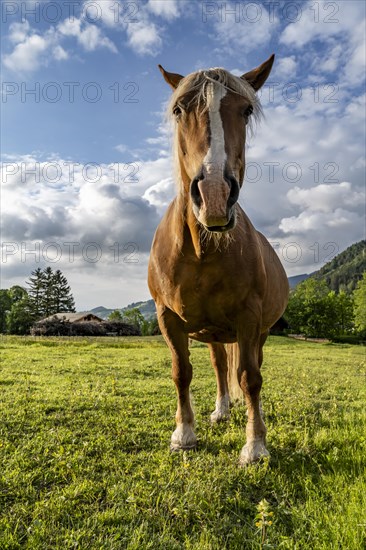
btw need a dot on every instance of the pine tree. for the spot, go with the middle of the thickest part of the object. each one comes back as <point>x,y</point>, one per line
<point>36,290</point>
<point>63,300</point>
<point>49,293</point>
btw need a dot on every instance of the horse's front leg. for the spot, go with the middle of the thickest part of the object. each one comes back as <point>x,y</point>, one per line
<point>219,363</point>
<point>171,327</point>
<point>250,380</point>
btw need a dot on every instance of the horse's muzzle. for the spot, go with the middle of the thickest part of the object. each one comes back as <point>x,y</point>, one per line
<point>213,202</point>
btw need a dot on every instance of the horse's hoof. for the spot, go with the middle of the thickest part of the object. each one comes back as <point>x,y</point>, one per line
<point>217,416</point>
<point>183,439</point>
<point>252,453</point>
<point>177,449</point>
<point>222,410</point>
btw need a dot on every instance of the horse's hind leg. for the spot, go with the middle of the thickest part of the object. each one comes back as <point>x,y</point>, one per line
<point>250,380</point>
<point>219,363</point>
<point>171,327</point>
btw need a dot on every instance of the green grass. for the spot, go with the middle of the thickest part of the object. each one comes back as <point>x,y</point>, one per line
<point>85,464</point>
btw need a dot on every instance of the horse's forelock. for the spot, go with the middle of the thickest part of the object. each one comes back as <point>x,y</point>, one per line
<point>195,85</point>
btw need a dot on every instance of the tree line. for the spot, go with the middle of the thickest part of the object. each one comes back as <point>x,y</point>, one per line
<point>135,318</point>
<point>316,311</point>
<point>48,293</point>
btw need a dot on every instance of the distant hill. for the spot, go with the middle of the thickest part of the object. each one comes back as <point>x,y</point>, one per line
<point>344,270</point>
<point>101,312</point>
<point>147,309</point>
<point>296,279</point>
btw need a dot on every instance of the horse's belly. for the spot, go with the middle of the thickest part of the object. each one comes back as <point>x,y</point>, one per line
<point>214,334</point>
<point>211,321</point>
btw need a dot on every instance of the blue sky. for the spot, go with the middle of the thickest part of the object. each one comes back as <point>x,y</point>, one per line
<point>86,159</point>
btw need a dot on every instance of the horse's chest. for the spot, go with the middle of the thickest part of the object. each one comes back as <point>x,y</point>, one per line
<point>204,295</point>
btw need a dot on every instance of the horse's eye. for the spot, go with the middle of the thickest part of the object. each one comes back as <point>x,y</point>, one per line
<point>177,111</point>
<point>248,111</point>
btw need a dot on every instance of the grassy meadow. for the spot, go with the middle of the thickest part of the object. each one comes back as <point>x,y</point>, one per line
<point>85,464</point>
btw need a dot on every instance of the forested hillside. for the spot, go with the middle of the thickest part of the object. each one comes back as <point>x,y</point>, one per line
<point>345,270</point>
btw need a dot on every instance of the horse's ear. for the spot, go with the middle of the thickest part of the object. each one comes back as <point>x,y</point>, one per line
<point>172,79</point>
<point>258,76</point>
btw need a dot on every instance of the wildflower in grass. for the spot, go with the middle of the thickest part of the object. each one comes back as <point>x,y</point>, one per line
<point>186,462</point>
<point>264,519</point>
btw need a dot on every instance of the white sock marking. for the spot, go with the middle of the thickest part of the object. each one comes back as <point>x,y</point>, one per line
<point>222,409</point>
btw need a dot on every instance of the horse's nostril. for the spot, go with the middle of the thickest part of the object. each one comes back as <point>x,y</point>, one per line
<point>195,192</point>
<point>234,190</point>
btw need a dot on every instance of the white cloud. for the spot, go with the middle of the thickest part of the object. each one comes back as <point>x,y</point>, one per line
<point>307,175</point>
<point>49,203</point>
<point>59,53</point>
<point>144,38</point>
<point>285,68</point>
<point>27,56</point>
<point>331,219</point>
<point>57,200</point>
<point>161,193</point>
<point>90,37</point>
<point>70,27</point>
<point>330,62</point>
<point>318,222</point>
<point>32,50</point>
<point>168,9</point>
<point>109,11</point>
<point>355,56</point>
<point>326,197</point>
<point>325,21</point>
<point>18,32</point>
<point>121,148</point>
<point>243,27</point>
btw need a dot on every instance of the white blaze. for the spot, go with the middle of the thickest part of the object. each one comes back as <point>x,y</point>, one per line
<point>216,156</point>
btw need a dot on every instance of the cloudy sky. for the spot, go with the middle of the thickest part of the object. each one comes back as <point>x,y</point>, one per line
<point>86,149</point>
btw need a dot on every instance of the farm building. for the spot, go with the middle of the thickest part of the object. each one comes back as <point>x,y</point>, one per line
<point>82,324</point>
<point>81,317</point>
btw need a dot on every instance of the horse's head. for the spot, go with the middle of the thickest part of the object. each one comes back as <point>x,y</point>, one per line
<point>212,109</point>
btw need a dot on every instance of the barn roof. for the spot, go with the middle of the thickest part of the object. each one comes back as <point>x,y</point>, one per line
<point>74,317</point>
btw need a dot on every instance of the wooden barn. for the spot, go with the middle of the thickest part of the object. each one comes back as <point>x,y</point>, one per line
<point>81,317</point>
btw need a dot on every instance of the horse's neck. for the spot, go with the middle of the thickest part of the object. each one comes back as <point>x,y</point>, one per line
<point>188,229</point>
<point>194,232</point>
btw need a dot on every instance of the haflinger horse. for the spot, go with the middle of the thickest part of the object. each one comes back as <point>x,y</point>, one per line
<point>213,277</point>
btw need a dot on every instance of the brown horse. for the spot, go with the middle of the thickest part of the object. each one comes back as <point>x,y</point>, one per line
<point>213,277</point>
